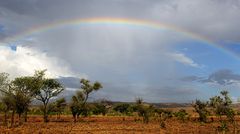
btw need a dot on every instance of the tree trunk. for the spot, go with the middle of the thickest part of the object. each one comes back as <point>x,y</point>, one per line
<point>45,115</point>
<point>25,116</point>
<point>75,119</point>
<point>5,118</point>
<point>19,119</point>
<point>58,116</point>
<point>12,118</point>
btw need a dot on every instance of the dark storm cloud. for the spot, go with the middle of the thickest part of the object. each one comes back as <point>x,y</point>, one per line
<point>70,82</point>
<point>223,77</point>
<point>215,19</point>
<point>19,6</point>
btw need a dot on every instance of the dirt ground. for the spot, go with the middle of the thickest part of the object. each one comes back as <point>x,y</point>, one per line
<point>109,125</point>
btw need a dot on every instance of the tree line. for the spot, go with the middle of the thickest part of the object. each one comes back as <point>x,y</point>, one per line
<point>18,94</point>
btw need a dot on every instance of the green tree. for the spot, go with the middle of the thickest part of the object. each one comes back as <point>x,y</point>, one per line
<point>60,105</point>
<point>18,94</point>
<point>87,88</point>
<point>8,104</point>
<point>78,105</point>
<point>23,91</point>
<point>143,110</point>
<point>7,97</point>
<point>222,105</point>
<point>201,108</point>
<point>46,89</point>
<point>50,88</point>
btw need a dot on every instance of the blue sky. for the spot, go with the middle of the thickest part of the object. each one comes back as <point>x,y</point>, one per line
<point>131,61</point>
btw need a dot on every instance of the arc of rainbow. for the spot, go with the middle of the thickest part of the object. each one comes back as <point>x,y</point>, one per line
<point>119,21</point>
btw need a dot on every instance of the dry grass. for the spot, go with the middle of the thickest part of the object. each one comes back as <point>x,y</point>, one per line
<point>108,125</point>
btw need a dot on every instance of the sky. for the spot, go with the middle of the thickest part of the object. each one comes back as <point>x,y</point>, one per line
<point>164,51</point>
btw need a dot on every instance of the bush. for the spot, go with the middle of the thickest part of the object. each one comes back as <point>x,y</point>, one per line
<point>123,108</point>
<point>223,127</point>
<point>201,108</point>
<point>161,116</point>
<point>181,114</point>
<point>99,108</point>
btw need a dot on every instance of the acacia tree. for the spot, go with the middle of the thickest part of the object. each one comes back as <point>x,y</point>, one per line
<point>18,94</point>
<point>8,104</point>
<point>201,108</point>
<point>23,91</point>
<point>76,105</point>
<point>7,98</point>
<point>3,86</point>
<point>59,105</point>
<point>79,100</point>
<point>87,88</point>
<point>50,88</point>
<point>143,110</point>
<point>222,105</point>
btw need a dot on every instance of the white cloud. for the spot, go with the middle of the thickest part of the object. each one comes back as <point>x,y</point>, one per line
<point>25,60</point>
<point>182,58</point>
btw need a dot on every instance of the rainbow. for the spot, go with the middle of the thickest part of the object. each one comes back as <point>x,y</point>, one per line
<point>116,21</point>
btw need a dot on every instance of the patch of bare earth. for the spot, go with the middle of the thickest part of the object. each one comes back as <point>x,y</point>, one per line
<point>108,125</point>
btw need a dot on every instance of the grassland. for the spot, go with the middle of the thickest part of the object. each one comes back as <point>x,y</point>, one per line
<point>111,125</point>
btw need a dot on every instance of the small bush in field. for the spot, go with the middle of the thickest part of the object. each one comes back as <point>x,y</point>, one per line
<point>201,108</point>
<point>181,114</point>
<point>144,110</point>
<point>161,116</point>
<point>223,127</point>
<point>99,108</point>
<point>123,108</point>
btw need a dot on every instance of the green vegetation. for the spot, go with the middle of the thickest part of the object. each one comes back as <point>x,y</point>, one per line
<point>79,105</point>
<point>123,108</point>
<point>201,108</point>
<point>181,115</point>
<point>47,89</point>
<point>18,94</point>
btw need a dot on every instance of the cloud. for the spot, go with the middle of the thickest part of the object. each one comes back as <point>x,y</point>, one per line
<point>222,77</point>
<point>191,78</point>
<point>171,93</point>
<point>130,59</point>
<point>70,82</point>
<point>182,58</point>
<point>25,60</point>
<point>200,17</point>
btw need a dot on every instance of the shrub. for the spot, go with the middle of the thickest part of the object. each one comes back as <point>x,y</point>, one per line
<point>181,114</point>
<point>162,115</point>
<point>201,108</point>
<point>123,108</point>
<point>99,108</point>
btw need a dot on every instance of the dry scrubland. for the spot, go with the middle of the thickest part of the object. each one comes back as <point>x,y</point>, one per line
<point>218,113</point>
<point>112,125</point>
